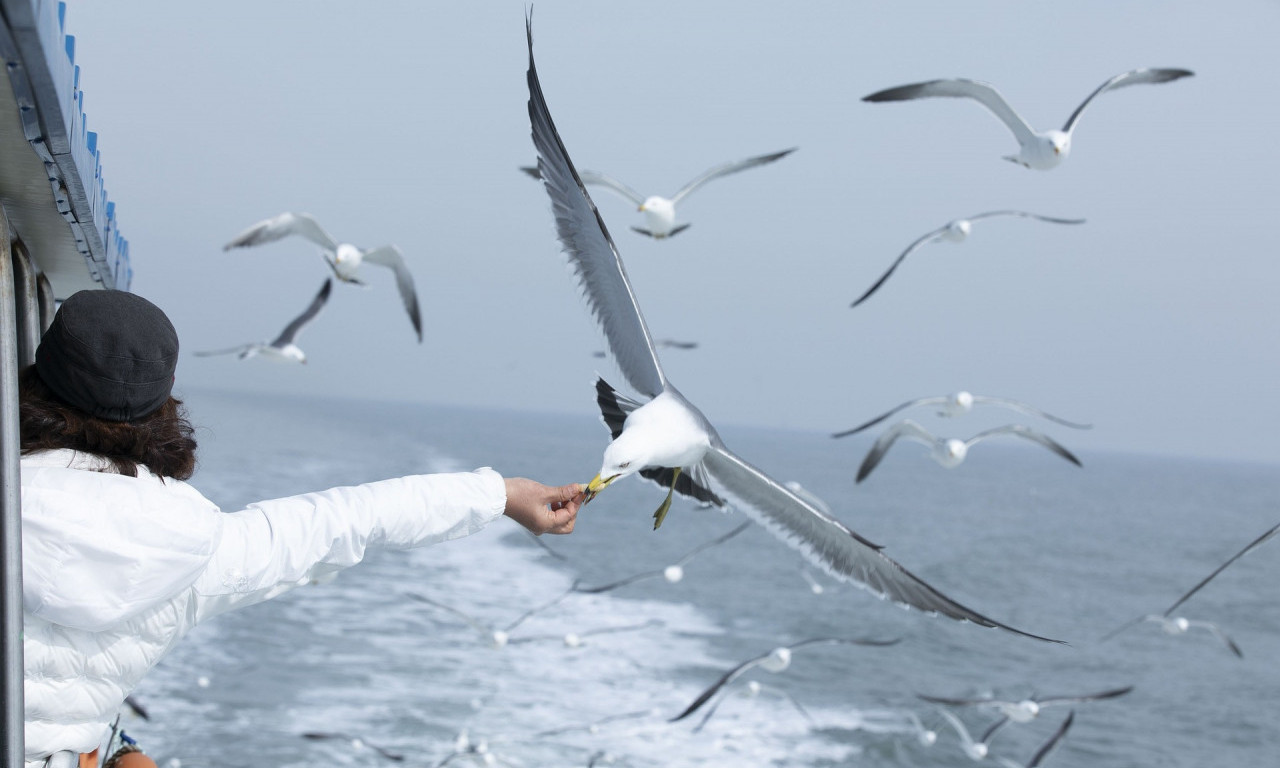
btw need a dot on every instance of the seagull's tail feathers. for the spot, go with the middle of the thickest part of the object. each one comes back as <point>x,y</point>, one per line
<point>644,232</point>
<point>692,482</point>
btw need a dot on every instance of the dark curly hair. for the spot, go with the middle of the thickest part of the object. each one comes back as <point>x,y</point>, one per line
<point>162,441</point>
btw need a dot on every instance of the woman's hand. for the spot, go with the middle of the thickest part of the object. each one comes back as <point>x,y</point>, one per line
<point>543,508</point>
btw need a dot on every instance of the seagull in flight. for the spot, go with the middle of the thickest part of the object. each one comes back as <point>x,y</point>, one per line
<point>284,348</point>
<point>660,212</point>
<point>1022,710</point>
<point>775,661</point>
<point>950,451</point>
<point>497,637</point>
<point>1045,748</point>
<point>666,438</point>
<point>672,573</point>
<point>960,403</point>
<point>343,258</point>
<point>975,750</point>
<point>1041,150</point>
<point>356,743</point>
<point>1177,625</point>
<point>955,232</point>
<point>752,690</point>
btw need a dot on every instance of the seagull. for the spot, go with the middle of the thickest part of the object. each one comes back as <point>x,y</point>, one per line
<point>1177,625</point>
<point>962,402</point>
<point>356,743</point>
<point>1023,710</point>
<point>498,638</point>
<point>666,438</point>
<point>775,660</point>
<point>950,451</point>
<point>975,750</point>
<point>577,639</point>
<point>672,573</point>
<point>752,690</point>
<point>284,348</point>
<point>955,231</point>
<point>660,212</point>
<point>1045,749</point>
<point>1041,150</point>
<point>593,728</point>
<point>343,258</point>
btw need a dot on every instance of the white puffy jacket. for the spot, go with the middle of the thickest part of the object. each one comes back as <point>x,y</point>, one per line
<point>116,569</point>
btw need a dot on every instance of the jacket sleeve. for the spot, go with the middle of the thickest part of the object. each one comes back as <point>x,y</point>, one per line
<point>273,546</point>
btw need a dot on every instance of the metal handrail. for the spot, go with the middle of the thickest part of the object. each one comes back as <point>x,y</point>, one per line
<point>27,309</point>
<point>12,745</point>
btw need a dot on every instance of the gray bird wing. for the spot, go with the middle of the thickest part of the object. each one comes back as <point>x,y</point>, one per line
<point>905,428</point>
<point>890,412</point>
<point>1132,77</point>
<point>295,327</point>
<point>390,256</point>
<point>827,543</point>
<point>910,248</point>
<point>591,250</point>
<point>1248,548</point>
<point>984,93</point>
<point>726,169</point>
<point>607,181</point>
<point>1052,742</point>
<point>279,227</point>
<point>1025,215</point>
<point>1026,408</point>
<point>1028,433</point>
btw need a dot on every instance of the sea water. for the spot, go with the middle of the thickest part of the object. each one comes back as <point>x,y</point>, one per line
<point>1014,533</point>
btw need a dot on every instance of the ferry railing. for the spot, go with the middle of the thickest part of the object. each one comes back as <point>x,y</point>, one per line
<point>25,304</point>
<point>11,723</point>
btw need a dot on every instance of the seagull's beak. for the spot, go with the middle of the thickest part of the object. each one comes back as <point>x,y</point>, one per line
<point>1057,150</point>
<point>641,208</point>
<point>596,486</point>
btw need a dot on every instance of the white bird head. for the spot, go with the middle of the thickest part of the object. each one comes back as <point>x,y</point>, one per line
<point>777,660</point>
<point>660,213</point>
<point>1060,143</point>
<point>753,688</point>
<point>500,638</point>
<point>673,573</point>
<point>951,452</point>
<point>572,640</point>
<point>293,353</point>
<point>1177,625</point>
<point>927,737</point>
<point>957,230</point>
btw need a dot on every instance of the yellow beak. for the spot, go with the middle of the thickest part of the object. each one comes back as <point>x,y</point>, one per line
<point>596,486</point>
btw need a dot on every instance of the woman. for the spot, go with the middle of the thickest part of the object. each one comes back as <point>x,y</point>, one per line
<point>121,557</point>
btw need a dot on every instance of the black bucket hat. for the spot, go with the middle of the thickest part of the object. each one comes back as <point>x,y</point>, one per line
<point>109,353</point>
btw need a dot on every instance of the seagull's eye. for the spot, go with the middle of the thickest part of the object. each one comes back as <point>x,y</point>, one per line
<point>624,465</point>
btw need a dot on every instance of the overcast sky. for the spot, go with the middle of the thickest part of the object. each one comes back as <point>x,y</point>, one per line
<point>405,123</point>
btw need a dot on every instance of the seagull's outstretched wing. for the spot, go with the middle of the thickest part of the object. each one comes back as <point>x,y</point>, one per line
<point>319,735</point>
<point>1028,409</point>
<point>471,621</point>
<point>1217,632</point>
<point>983,93</point>
<point>1132,77</point>
<point>827,543</point>
<point>605,180</point>
<point>1248,548</point>
<point>270,230</point>
<point>591,251</point>
<point>1028,433</point>
<point>890,412</point>
<point>240,350</point>
<point>725,170</point>
<point>905,428</point>
<point>1025,215</point>
<point>876,285</point>
<point>390,256</point>
<point>292,330</point>
<point>1052,742</point>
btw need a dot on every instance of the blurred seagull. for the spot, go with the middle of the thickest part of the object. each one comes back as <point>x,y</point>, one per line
<point>775,660</point>
<point>498,638</point>
<point>672,573</point>
<point>356,743</point>
<point>975,750</point>
<point>752,690</point>
<point>667,439</point>
<point>1045,748</point>
<point>284,347</point>
<point>1023,710</point>
<point>660,212</point>
<point>1041,150</point>
<point>959,403</point>
<point>950,451</point>
<point>343,258</point>
<point>578,639</point>
<point>955,231</point>
<point>1177,625</point>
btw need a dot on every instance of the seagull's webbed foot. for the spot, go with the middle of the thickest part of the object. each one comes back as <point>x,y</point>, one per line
<point>661,513</point>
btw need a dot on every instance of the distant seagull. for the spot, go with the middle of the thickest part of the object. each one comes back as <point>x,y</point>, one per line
<point>959,403</point>
<point>1041,150</point>
<point>775,660</point>
<point>660,212</point>
<point>1177,625</point>
<point>497,637</point>
<point>672,573</point>
<point>1045,748</point>
<point>356,743</point>
<point>343,258</point>
<point>1023,710</point>
<point>955,231</point>
<point>578,639</point>
<point>136,708</point>
<point>752,690</point>
<point>975,750</point>
<point>284,347</point>
<point>595,726</point>
<point>666,438</point>
<point>660,344</point>
<point>950,451</point>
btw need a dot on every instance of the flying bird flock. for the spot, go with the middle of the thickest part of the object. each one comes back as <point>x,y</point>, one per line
<point>657,433</point>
